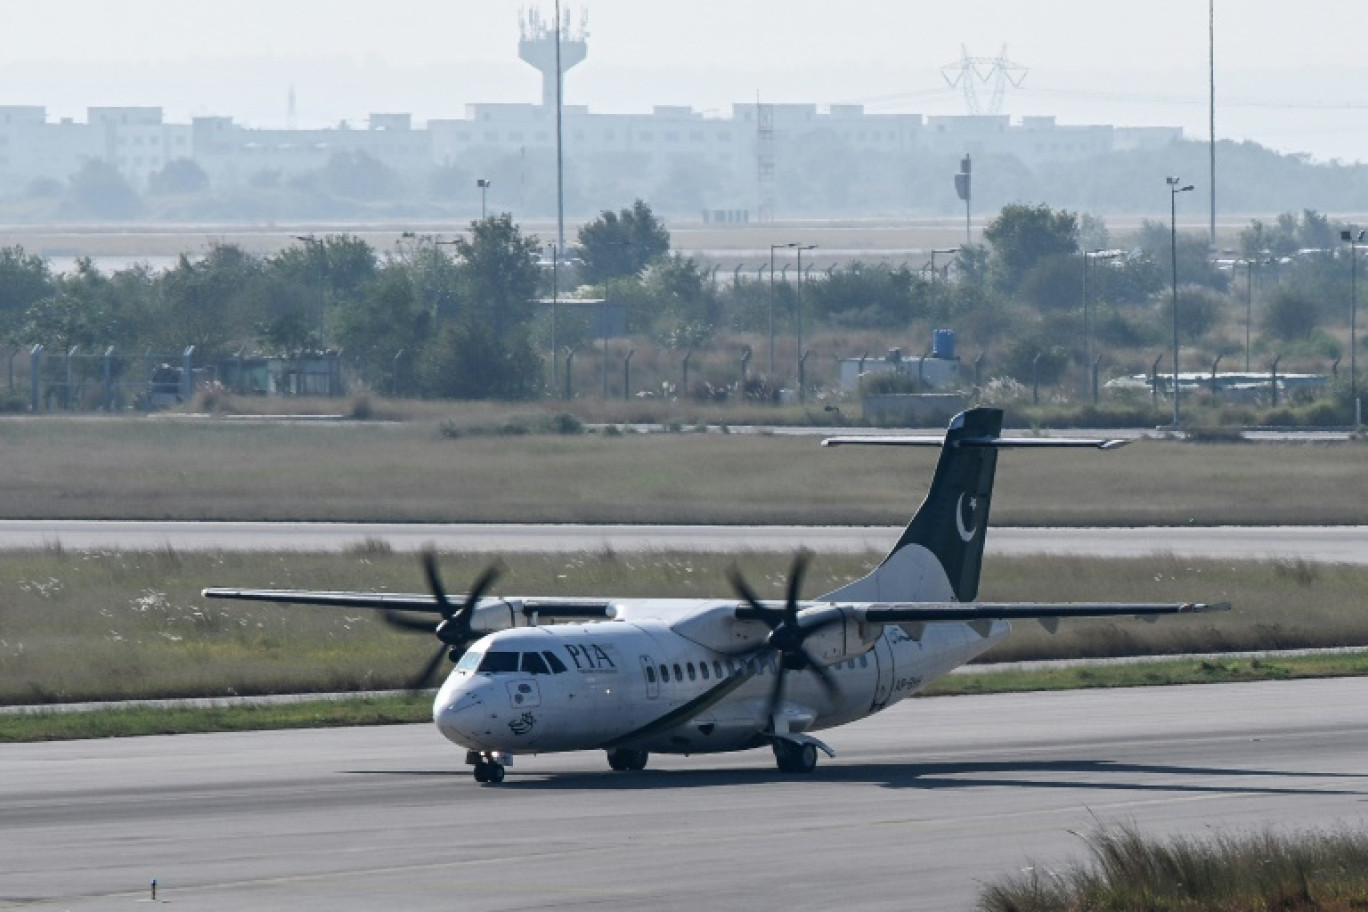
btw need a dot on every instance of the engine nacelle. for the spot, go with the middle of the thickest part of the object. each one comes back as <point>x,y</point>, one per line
<point>840,635</point>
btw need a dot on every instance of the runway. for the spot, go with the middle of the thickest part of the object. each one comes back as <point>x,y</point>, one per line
<point>925,803</point>
<point>1339,544</point>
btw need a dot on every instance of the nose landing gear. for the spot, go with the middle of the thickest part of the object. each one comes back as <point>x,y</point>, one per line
<point>489,766</point>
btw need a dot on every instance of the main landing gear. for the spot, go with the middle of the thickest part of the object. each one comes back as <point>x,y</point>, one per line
<point>488,767</point>
<point>795,756</point>
<point>624,759</point>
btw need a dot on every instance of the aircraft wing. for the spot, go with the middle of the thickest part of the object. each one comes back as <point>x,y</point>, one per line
<point>545,608</point>
<point>927,612</point>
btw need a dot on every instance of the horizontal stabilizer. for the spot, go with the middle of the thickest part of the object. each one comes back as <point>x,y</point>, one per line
<point>1001,443</point>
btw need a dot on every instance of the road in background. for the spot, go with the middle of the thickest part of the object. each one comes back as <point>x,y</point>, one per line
<point>1335,544</point>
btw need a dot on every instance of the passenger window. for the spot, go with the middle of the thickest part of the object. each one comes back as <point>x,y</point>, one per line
<point>665,673</point>
<point>499,662</point>
<point>679,673</point>
<point>533,663</point>
<point>864,661</point>
<point>717,669</point>
<point>703,669</point>
<point>554,663</point>
<point>691,671</point>
<point>650,674</point>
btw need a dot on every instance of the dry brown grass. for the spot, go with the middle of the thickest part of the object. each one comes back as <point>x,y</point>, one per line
<point>431,471</point>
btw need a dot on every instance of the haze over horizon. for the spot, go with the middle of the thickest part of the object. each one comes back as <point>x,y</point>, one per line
<point>1291,83</point>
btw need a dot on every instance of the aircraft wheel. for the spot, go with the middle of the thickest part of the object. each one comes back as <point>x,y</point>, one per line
<point>482,772</point>
<point>496,773</point>
<point>795,758</point>
<point>623,759</point>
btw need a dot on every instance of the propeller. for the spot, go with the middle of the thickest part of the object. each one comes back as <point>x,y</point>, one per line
<point>454,629</point>
<point>787,633</point>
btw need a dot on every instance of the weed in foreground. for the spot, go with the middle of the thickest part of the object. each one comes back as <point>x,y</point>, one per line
<point>1265,870</point>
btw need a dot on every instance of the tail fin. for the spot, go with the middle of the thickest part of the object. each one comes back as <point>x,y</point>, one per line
<point>940,553</point>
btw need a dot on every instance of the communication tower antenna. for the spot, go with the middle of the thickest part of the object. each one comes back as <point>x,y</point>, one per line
<point>969,72</point>
<point>764,158</point>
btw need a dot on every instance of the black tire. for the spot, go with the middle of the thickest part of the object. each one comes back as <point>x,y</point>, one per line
<point>791,757</point>
<point>482,772</point>
<point>496,773</point>
<point>626,759</point>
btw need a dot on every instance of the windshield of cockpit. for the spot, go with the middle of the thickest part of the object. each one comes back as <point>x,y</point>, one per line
<point>499,661</point>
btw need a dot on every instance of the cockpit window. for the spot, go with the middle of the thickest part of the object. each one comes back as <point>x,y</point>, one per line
<point>554,661</point>
<point>470,661</point>
<point>499,662</point>
<point>533,663</point>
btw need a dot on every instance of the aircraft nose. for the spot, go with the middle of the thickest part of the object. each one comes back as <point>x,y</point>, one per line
<point>459,715</point>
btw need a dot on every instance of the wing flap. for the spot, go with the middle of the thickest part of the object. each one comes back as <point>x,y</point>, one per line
<point>930,612</point>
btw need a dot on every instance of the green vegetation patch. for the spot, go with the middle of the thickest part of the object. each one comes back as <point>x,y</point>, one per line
<point>1326,871</point>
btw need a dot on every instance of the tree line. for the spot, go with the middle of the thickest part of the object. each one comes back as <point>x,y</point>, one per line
<point>470,319</point>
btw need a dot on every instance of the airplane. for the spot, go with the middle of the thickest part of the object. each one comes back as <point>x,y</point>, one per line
<point>630,677</point>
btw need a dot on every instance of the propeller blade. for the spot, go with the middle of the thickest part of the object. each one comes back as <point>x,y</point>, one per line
<point>412,625</point>
<point>435,584</point>
<point>824,675</point>
<point>747,594</point>
<point>795,584</point>
<point>428,669</point>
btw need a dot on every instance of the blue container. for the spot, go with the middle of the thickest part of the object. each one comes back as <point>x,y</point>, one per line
<point>943,344</point>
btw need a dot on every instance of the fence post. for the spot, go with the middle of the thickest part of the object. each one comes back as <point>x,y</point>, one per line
<point>745,362</point>
<point>1274,380</point>
<point>802,377</point>
<point>67,396</point>
<point>1096,362</point>
<point>187,373</point>
<point>569,363</point>
<point>627,374</point>
<point>684,390</point>
<point>108,372</point>
<point>35,369</point>
<point>1154,380</point>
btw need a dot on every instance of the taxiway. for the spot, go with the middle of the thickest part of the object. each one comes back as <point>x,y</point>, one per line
<point>925,803</point>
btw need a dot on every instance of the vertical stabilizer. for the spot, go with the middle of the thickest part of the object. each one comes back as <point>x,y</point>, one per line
<point>940,553</point>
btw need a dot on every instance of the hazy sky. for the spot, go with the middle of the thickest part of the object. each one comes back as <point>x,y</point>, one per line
<point>1291,76</point>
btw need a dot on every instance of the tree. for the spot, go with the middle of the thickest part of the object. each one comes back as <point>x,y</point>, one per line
<point>498,271</point>
<point>178,177</point>
<point>1021,236</point>
<point>621,244</point>
<point>99,190</point>
<point>25,280</point>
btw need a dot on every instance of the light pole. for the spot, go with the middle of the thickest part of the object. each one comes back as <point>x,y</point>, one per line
<point>483,184</point>
<point>1354,238</point>
<point>322,280</point>
<point>773,247</point>
<point>1174,190</point>
<point>799,311</point>
<point>1088,256</point>
<point>934,251</point>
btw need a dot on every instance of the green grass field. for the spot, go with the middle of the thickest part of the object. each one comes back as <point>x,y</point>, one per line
<point>78,626</point>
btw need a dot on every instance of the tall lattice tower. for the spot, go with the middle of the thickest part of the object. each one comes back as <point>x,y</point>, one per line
<point>537,46</point>
<point>968,73</point>
<point>764,159</point>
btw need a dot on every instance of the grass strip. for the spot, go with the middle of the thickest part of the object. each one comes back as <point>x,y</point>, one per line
<point>125,721</point>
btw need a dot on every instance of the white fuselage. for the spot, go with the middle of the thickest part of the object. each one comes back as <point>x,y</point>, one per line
<point>624,682</point>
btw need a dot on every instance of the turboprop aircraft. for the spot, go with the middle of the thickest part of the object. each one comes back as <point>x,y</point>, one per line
<point>539,675</point>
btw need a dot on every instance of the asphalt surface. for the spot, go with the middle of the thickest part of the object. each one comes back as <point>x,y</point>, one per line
<point>1339,544</point>
<point>925,804</point>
